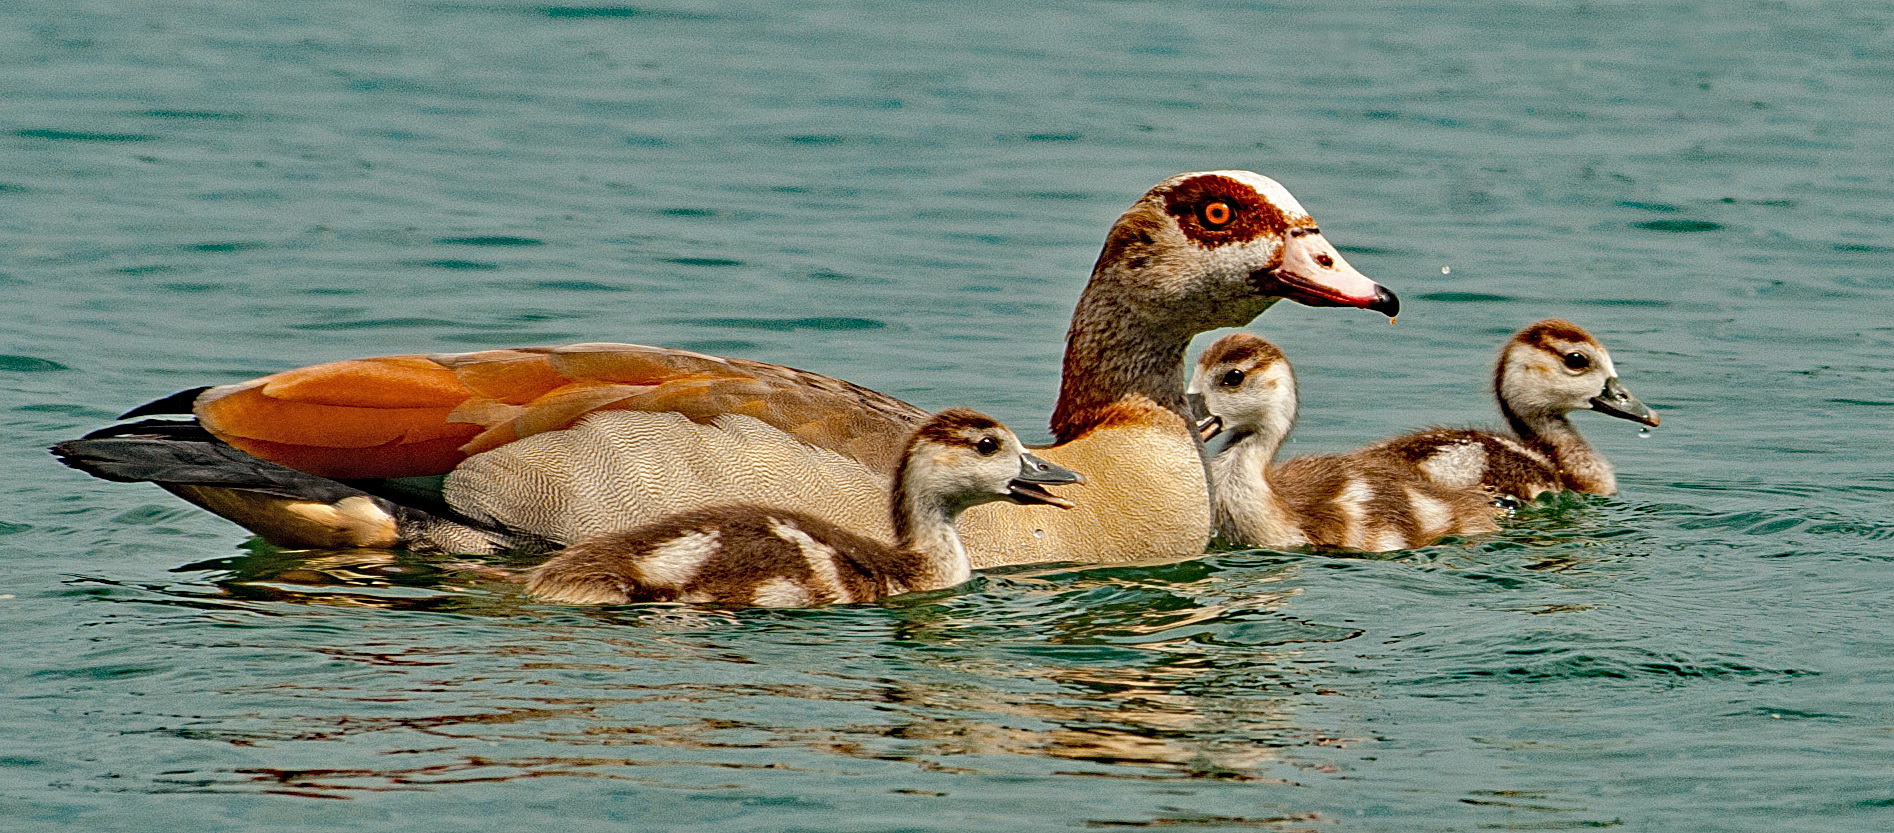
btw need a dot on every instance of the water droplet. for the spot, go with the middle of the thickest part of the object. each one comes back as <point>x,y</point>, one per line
<point>1644,432</point>
<point>1038,533</point>
<point>1446,270</point>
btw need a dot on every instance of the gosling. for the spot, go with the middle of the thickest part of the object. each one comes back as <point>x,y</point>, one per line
<point>746,555</point>
<point>1545,372</point>
<point>1350,501</point>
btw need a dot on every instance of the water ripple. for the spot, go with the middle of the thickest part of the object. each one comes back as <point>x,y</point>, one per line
<point>785,325</point>
<point>1551,666</point>
<point>618,13</point>
<point>29,364</point>
<point>81,135</point>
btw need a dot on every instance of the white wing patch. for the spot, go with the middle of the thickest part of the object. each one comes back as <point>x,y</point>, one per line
<point>1353,503</point>
<point>781,592</point>
<point>821,559</point>
<point>674,563</point>
<point>1354,499</point>
<point>1430,514</point>
<point>1388,540</point>
<point>1461,465</point>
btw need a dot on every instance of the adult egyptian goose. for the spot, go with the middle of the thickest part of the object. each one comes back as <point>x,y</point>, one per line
<point>1546,371</point>
<point>536,448</point>
<point>749,555</point>
<point>1351,501</point>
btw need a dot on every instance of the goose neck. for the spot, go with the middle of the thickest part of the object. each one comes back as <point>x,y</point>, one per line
<point>1116,351</point>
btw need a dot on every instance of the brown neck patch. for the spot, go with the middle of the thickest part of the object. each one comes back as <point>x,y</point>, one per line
<point>1130,412</point>
<point>1250,216</point>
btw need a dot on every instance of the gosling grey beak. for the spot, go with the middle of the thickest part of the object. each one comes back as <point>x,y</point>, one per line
<point>1035,474</point>
<point>1208,425</point>
<point>1618,402</point>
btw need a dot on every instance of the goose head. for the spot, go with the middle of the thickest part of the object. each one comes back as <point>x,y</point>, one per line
<point>1215,248</point>
<point>1243,384</point>
<point>962,458</point>
<point>1553,367</point>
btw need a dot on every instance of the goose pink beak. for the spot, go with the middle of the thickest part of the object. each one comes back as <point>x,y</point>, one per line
<point>1313,273</point>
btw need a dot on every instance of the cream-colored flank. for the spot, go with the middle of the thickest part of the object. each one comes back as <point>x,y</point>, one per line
<point>1148,497</point>
<point>746,554</point>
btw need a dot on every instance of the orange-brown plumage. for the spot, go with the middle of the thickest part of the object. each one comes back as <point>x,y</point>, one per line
<point>255,414</point>
<point>515,376</point>
<point>385,417</point>
<point>401,416</point>
<point>386,382</point>
<point>394,459</point>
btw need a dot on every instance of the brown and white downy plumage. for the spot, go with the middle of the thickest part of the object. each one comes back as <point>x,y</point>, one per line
<point>1545,372</point>
<point>1352,501</point>
<point>758,556</point>
<point>535,448</point>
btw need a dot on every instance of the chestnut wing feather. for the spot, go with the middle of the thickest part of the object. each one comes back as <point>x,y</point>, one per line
<point>402,416</point>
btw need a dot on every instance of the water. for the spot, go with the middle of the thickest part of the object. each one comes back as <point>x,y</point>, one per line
<point>909,196</point>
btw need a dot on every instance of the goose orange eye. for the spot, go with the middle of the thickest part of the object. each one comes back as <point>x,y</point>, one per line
<point>1217,214</point>
<point>987,446</point>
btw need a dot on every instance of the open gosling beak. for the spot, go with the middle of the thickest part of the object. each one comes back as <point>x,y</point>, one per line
<point>1618,402</point>
<point>1034,475</point>
<point>1314,274</point>
<point>1209,427</point>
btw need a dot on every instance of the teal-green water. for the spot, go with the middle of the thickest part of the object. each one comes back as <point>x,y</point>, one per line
<point>909,195</point>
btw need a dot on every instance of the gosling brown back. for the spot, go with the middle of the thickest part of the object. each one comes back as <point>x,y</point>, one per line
<point>736,554</point>
<point>1545,371</point>
<point>1354,501</point>
<point>752,555</point>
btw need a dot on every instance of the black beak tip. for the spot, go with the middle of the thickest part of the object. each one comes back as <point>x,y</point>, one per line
<point>1385,302</point>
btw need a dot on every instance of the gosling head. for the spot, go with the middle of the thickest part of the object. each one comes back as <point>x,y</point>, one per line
<point>1553,367</point>
<point>1219,247</point>
<point>962,458</point>
<point>1243,384</point>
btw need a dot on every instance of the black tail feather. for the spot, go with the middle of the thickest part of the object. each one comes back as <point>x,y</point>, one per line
<point>165,460</point>
<point>182,430</point>
<point>177,403</point>
<point>186,460</point>
<point>181,454</point>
